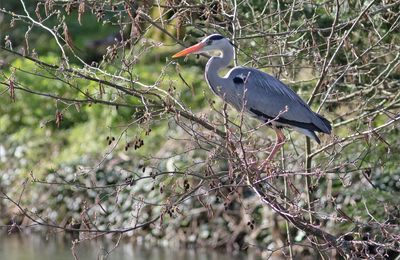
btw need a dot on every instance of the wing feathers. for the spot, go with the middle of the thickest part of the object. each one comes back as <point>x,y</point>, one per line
<point>266,97</point>
<point>283,120</point>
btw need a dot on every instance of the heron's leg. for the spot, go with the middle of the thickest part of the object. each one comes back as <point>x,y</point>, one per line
<point>280,140</point>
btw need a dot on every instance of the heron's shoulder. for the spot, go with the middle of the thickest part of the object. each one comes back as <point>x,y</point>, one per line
<point>249,71</point>
<point>236,70</point>
<point>241,72</point>
<point>238,75</point>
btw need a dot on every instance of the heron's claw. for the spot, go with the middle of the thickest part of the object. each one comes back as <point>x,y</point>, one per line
<point>266,167</point>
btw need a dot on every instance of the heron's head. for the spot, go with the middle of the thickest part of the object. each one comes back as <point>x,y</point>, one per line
<point>213,42</point>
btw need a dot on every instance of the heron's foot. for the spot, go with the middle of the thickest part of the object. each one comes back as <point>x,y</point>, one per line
<point>267,167</point>
<point>264,170</point>
<point>251,163</point>
<point>253,166</point>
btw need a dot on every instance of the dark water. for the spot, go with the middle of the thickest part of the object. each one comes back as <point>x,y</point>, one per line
<point>27,247</point>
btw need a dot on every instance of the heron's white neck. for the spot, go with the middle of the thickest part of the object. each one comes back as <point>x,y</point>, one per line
<point>214,65</point>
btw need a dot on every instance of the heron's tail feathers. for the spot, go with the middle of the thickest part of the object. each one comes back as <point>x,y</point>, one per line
<point>308,133</point>
<point>326,128</point>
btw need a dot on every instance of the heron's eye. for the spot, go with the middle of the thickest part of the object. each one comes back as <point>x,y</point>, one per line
<point>209,42</point>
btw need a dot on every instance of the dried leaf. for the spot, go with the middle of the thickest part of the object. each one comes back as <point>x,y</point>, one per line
<point>59,117</point>
<point>68,8</point>
<point>12,90</point>
<point>101,90</point>
<point>37,12</point>
<point>48,6</point>
<point>8,43</point>
<point>78,107</point>
<point>81,10</point>
<point>67,36</point>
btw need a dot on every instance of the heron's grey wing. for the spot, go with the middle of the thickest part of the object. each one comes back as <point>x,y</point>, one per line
<point>267,96</point>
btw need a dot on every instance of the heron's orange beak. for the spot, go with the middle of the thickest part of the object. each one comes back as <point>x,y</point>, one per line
<point>192,49</point>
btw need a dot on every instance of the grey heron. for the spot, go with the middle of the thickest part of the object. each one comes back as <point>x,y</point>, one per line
<point>257,93</point>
